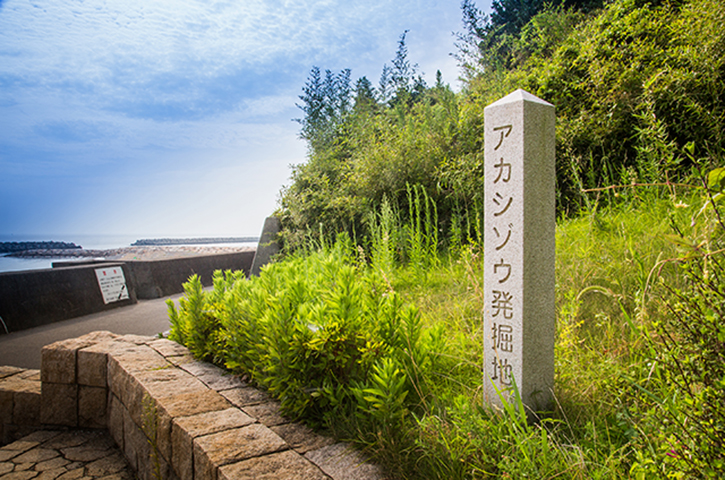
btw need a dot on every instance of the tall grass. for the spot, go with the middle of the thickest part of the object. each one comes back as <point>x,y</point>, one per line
<point>391,359</point>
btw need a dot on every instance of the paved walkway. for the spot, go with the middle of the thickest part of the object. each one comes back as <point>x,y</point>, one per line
<point>147,317</point>
<point>51,455</point>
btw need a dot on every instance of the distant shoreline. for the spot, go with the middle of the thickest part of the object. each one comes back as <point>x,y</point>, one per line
<point>191,241</point>
<point>131,253</point>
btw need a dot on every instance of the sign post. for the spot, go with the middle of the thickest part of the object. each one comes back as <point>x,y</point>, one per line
<point>519,250</point>
<point>112,284</point>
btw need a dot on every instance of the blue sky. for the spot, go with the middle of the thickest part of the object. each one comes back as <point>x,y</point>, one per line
<point>174,117</point>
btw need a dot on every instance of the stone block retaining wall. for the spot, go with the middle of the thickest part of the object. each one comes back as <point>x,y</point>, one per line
<point>174,418</point>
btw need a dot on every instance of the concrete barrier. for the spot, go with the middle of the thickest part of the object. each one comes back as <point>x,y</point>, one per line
<point>38,297</point>
<point>71,289</point>
<point>160,278</point>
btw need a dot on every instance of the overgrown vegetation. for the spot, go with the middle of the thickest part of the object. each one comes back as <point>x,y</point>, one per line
<point>370,325</point>
<point>388,354</point>
<point>639,90</point>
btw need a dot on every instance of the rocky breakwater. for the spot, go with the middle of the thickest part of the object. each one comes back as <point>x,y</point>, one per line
<point>19,247</point>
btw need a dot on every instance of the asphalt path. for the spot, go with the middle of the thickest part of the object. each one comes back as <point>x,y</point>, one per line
<point>147,317</point>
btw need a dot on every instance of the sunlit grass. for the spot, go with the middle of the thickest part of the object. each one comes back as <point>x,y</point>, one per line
<point>416,404</point>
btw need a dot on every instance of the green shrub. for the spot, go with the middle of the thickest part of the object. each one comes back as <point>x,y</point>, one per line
<point>315,331</point>
<point>684,395</point>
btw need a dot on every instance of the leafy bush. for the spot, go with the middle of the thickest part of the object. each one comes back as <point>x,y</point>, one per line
<point>317,331</point>
<point>684,394</point>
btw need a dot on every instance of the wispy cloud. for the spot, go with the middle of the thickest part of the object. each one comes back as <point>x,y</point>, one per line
<point>91,90</point>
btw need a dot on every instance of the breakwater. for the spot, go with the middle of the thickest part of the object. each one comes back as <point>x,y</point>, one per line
<point>14,247</point>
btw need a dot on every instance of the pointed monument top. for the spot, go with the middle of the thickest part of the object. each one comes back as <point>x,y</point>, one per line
<point>517,96</point>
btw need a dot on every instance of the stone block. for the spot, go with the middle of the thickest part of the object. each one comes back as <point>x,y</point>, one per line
<point>26,408</point>
<point>180,359</point>
<point>59,404</point>
<point>119,381</point>
<point>124,365</point>
<point>168,382</point>
<point>135,443</point>
<point>137,358</point>
<point>138,339</point>
<point>92,403</point>
<point>6,407</point>
<point>168,348</point>
<point>212,376</point>
<point>92,365</point>
<point>193,403</point>
<point>58,360</point>
<point>32,375</point>
<point>186,429</point>
<point>162,386</point>
<point>58,364</point>
<point>231,446</point>
<point>163,434</point>
<point>98,336</point>
<point>6,371</point>
<point>19,383</point>
<point>267,413</point>
<point>285,465</point>
<point>301,437</point>
<point>341,462</point>
<point>246,396</point>
<point>116,415</point>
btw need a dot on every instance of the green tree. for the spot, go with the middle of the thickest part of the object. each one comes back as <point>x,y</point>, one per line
<point>325,103</point>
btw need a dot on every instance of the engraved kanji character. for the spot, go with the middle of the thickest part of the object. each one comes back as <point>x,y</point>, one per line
<point>504,338</point>
<point>502,370</point>
<point>506,371</point>
<point>502,304</point>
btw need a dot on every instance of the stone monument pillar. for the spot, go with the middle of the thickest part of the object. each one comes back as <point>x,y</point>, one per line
<point>519,247</point>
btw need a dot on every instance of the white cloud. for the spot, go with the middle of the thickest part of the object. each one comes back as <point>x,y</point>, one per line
<point>124,94</point>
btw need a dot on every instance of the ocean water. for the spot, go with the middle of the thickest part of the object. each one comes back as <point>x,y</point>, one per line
<point>88,242</point>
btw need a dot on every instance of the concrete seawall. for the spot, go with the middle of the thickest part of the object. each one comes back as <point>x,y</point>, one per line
<point>70,289</point>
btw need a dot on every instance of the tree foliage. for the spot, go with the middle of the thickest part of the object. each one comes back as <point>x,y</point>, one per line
<point>639,89</point>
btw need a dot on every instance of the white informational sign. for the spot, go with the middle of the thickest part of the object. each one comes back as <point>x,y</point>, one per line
<point>112,283</point>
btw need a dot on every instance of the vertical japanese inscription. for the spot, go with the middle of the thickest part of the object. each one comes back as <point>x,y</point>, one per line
<point>518,295</point>
<point>502,306</point>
